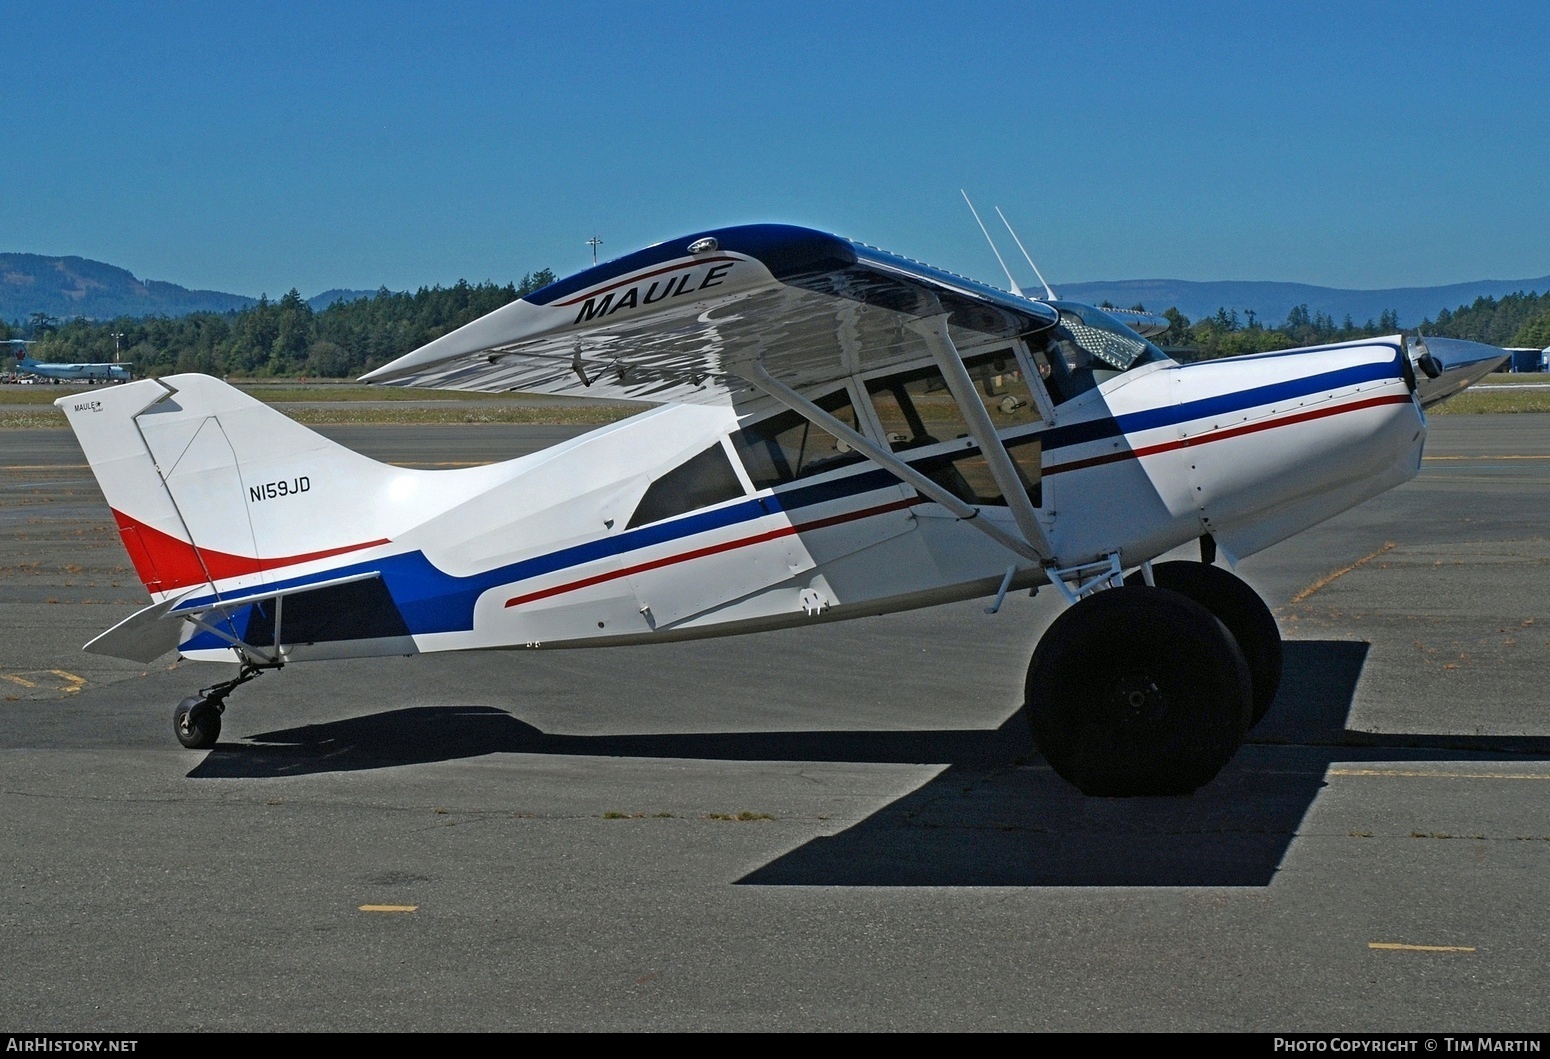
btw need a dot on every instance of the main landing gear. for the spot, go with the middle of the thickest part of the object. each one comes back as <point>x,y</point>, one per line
<point>197,719</point>
<point>1149,689</point>
<point>1238,607</point>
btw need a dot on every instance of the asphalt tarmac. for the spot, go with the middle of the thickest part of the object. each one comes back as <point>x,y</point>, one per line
<point>841,827</point>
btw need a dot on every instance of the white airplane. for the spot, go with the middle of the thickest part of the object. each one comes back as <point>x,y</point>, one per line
<point>841,432</point>
<point>92,373</point>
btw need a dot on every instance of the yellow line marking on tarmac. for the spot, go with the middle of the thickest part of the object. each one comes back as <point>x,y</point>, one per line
<point>1327,578</point>
<point>72,684</point>
<point>76,683</point>
<point>1394,946</point>
<point>1410,773</point>
<point>389,908</point>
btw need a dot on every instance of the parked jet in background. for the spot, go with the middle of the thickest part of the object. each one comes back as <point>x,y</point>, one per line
<point>93,373</point>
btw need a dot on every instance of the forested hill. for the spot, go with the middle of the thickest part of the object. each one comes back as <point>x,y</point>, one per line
<point>67,287</point>
<point>63,288</point>
<point>340,334</point>
<point>285,337</point>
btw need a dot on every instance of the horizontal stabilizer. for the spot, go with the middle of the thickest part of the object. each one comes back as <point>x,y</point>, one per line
<point>153,631</point>
<point>144,636</point>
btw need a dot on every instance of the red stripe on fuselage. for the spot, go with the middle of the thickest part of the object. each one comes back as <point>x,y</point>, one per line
<point>786,531</point>
<point>164,562</point>
<point>713,549</point>
<point>1223,435</point>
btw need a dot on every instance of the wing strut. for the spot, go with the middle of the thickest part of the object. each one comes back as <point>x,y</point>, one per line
<point>1038,552</point>
<point>934,330</point>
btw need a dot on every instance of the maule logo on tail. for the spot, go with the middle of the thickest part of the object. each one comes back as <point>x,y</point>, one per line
<point>274,490</point>
<point>86,406</point>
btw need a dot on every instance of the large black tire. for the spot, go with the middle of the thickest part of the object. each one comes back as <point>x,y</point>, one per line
<point>1138,691</point>
<point>196,723</point>
<point>1238,607</point>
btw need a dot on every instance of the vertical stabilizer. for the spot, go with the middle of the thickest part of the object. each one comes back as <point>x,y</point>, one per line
<point>211,487</point>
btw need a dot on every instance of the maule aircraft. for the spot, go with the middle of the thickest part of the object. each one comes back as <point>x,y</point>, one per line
<point>840,432</point>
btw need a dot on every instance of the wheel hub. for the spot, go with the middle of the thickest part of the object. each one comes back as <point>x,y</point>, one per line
<point>1140,699</point>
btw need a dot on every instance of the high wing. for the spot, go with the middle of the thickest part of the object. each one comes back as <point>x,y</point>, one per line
<point>685,320</point>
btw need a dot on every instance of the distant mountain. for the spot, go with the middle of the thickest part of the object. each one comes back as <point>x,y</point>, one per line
<point>67,287</point>
<point>1272,301</point>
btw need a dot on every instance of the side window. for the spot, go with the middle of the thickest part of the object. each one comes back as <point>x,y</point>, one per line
<point>788,446</point>
<point>704,480</point>
<point>916,408</point>
<point>999,380</point>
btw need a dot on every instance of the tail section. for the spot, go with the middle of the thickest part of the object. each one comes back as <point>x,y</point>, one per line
<point>148,520</point>
<point>210,487</point>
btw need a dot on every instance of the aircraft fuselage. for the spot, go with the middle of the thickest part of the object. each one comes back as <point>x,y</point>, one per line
<point>661,526</point>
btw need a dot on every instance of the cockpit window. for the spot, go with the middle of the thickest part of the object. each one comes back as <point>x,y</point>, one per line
<point>1003,390</point>
<point>788,446</point>
<point>916,408</point>
<point>1087,347</point>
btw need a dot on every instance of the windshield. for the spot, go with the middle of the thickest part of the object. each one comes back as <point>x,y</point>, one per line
<point>1087,347</point>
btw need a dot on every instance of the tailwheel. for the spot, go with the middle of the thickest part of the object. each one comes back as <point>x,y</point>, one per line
<point>1138,691</point>
<point>197,723</point>
<point>1239,608</point>
<point>197,720</point>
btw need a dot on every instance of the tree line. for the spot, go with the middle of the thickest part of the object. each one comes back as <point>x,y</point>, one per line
<point>1514,320</point>
<point>284,338</point>
<point>287,338</point>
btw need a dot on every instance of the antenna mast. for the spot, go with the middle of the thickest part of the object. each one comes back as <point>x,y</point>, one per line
<point>1047,288</point>
<point>594,243</point>
<point>1015,288</point>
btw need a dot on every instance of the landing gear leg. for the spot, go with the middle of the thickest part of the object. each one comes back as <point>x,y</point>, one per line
<point>1138,691</point>
<point>197,720</point>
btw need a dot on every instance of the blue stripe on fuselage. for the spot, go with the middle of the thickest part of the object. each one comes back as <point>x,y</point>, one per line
<point>1171,415</point>
<point>431,600</point>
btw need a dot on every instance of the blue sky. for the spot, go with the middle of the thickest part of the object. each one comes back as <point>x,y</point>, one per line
<point>255,147</point>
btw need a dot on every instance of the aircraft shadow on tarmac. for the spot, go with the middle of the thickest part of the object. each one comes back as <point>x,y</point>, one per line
<point>994,817</point>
